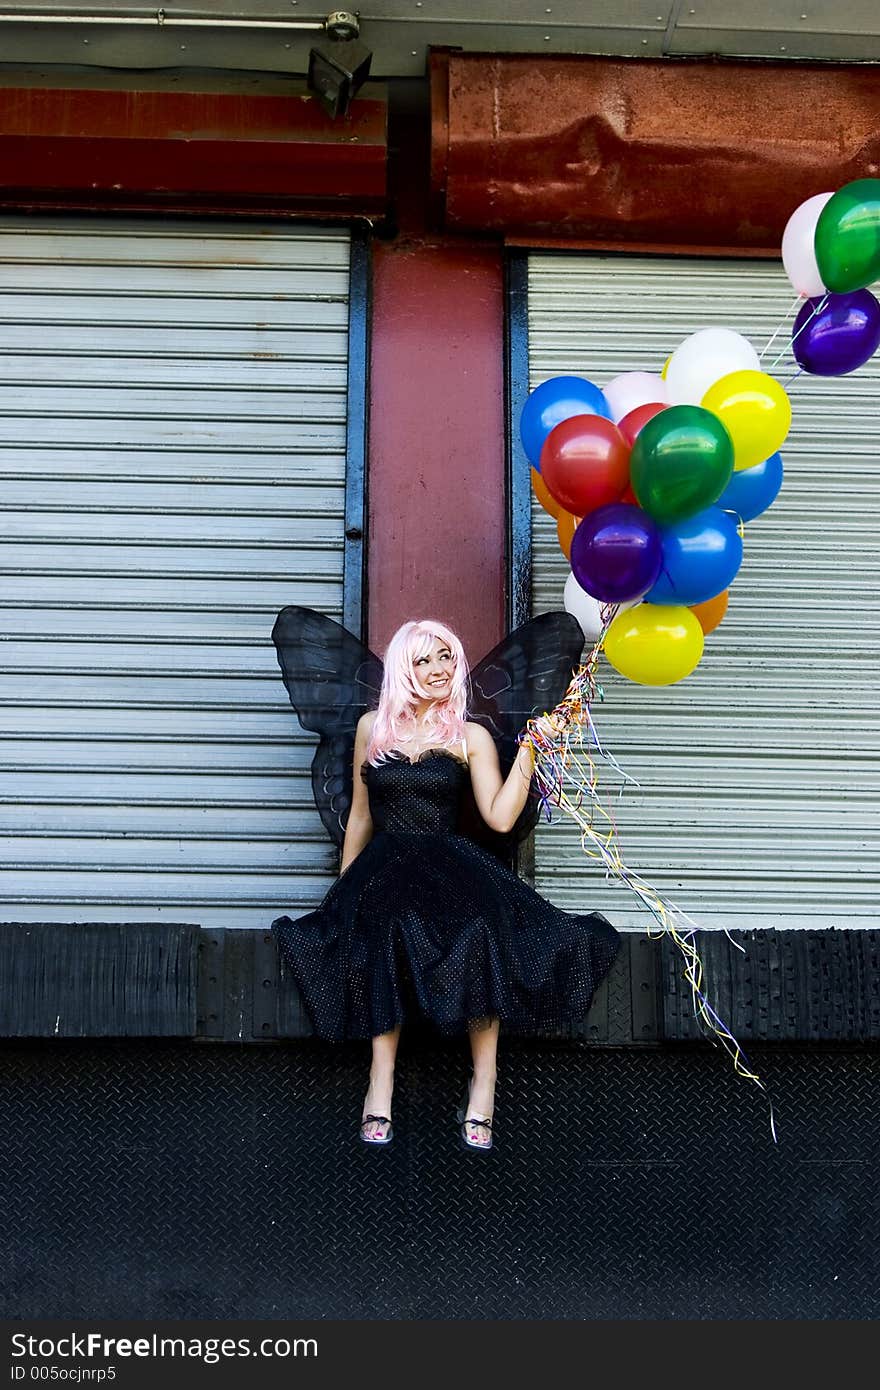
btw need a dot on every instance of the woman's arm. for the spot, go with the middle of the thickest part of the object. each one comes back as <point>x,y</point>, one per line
<point>499,800</point>
<point>359,829</point>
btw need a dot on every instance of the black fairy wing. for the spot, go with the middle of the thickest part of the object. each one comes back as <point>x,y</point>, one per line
<point>526,674</point>
<point>332,678</point>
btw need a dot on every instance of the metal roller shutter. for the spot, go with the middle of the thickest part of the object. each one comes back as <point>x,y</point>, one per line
<point>172,446</point>
<point>760,773</point>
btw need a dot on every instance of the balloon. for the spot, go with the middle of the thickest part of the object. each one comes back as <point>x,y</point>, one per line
<point>798,250</point>
<point>633,389</point>
<point>566,525</point>
<point>654,644</point>
<point>544,496</point>
<point>703,358</point>
<point>554,400</point>
<point>681,462</point>
<point>710,613</point>
<point>751,490</point>
<point>665,368</point>
<point>848,237</point>
<point>701,556</point>
<point>836,334</point>
<point>634,422</point>
<point>587,609</point>
<point>585,463</point>
<point>616,552</point>
<point>756,412</point>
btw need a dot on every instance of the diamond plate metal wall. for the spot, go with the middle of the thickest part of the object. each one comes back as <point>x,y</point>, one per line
<point>177,1179</point>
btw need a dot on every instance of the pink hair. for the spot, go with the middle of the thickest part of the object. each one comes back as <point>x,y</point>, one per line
<point>395,724</point>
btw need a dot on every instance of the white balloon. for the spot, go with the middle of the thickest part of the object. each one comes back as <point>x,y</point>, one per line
<point>588,610</point>
<point>798,247</point>
<point>702,359</point>
<point>632,389</point>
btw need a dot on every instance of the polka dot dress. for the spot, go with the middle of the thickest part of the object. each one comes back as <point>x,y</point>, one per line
<point>426,922</point>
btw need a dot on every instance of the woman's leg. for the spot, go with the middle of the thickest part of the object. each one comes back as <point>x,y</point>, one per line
<point>484,1051</point>
<point>378,1097</point>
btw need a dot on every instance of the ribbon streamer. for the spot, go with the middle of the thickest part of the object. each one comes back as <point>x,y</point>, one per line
<point>566,745</point>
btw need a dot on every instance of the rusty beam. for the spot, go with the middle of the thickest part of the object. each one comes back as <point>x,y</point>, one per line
<point>183,151</point>
<point>651,155</point>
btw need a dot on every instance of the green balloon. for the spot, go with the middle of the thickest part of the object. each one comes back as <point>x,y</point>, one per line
<point>681,462</point>
<point>847,241</point>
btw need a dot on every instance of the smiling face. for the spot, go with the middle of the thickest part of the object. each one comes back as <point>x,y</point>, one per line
<point>433,672</point>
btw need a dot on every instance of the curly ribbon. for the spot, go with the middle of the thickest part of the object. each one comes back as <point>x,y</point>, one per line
<point>563,744</point>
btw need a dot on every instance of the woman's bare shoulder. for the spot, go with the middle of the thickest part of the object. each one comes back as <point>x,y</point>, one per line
<point>366,721</point>
<point>476,735</point>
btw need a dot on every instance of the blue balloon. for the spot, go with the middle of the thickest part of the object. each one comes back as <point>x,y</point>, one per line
<point>553,401</point>
<point>701,555</point>
<point>751,490</point>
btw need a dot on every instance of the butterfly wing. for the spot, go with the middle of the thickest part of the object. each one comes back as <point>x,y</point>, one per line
<point>526,674</point>
<point>332,678</point>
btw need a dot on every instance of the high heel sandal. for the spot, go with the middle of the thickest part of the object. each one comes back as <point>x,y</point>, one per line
<point>463,1120</point>
<point>379,1140</point>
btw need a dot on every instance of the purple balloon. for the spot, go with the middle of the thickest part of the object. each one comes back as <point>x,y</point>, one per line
<point>616,552</point>
<point>839,336</point>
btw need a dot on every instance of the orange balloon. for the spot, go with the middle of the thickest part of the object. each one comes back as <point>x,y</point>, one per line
<point>710,613</point>
<point>544,495</point>
<point>566,525</point>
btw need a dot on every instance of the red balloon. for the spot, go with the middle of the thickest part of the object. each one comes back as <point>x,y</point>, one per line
<point>636,420</point>
<point>585,463</point>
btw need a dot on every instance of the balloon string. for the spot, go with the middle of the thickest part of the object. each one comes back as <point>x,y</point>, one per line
<point>806,323</point>
<point>567,778</point>
<point>774,335</point>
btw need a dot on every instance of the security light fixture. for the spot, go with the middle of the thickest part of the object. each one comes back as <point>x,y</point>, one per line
<point>340,64</point>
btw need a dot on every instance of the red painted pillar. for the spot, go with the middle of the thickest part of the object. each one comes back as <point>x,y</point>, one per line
<point>436,471</point>
<point>436,485</point>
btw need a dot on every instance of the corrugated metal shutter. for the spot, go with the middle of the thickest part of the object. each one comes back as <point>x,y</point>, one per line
<point>172,445</point>
<point>760,773</point>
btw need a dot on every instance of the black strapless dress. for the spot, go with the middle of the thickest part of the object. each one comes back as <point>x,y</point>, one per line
<point>425,922</point>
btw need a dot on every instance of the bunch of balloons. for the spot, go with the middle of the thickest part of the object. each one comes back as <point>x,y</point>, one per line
<point>651,478</point>
<point>831,253</point>
<point>648,480</point>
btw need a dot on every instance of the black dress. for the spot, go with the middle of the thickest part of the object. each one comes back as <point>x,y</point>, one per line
<point>425,922</point>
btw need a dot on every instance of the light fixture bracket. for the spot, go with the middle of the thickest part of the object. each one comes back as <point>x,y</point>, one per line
<point>339,64</point>
<point>342,24</point>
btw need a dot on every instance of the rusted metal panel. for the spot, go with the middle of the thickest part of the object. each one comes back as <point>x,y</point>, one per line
<point>185,150</point>
<point>644,154</point>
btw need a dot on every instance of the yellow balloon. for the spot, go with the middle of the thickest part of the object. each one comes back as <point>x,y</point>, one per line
<point>665,368</point>
<point>754,410</point>
<point>655,643</point>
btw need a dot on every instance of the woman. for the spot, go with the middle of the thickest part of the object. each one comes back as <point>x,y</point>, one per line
<point>422,919</point>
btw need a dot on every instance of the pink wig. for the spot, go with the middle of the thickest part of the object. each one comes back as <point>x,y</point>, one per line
<point>396,723</point>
